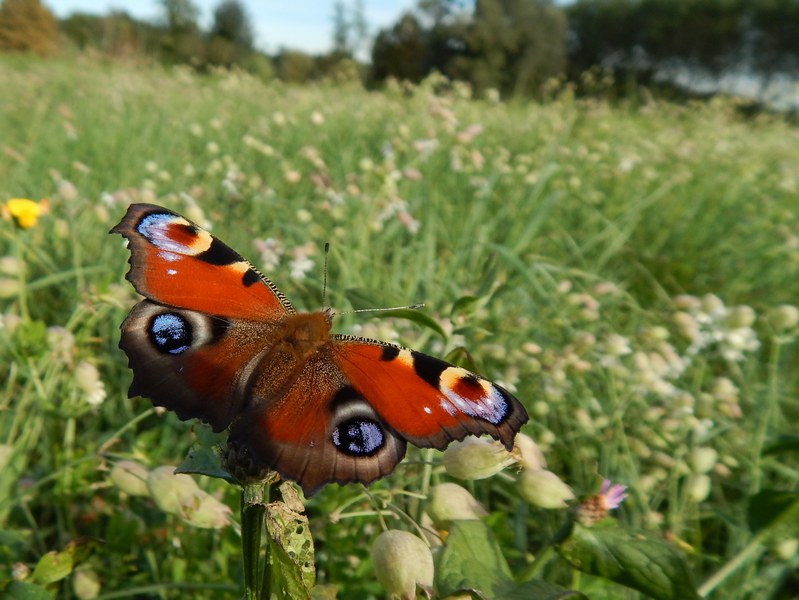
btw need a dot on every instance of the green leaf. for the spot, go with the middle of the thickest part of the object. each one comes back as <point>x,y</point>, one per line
<point>291,550</point>
<point>540,590</point>
<point>471,560</point>
<point>10,538</point>
<point>324,592</point>
<point>24,590</point>
<point>287,581</point>
<point>366,299</point>
<point>54,566</point>
<point>203,457</point>
<point>464,304</point>
<point>768,507</point>
<point>634,559</point>
<point>472,331</point>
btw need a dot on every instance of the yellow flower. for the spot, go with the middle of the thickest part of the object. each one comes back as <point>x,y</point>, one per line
<point>25,212</point>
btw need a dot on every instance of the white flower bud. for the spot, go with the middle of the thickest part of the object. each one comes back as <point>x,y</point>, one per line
<point>544,489</point>
<point>786,549</point>
<point>476,458</point>
<point>207,512</point>
<point>740,317</point>
<point>697,487</point>
<point>617,345</point>
<point>9,287</point>
<point>702,460</point>
<point>85,584</point>
<point>402,561</point>
<point>451,502</point>
<point>11,265</point>
<point>88,380</point>
<point>130,477</point>
<point>783,317</point>
<point>530,455</point>
<point>712,304</point>
<point>170,491</point>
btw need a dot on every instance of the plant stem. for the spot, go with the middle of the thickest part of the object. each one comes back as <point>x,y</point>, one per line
<point>252,520</point>
<point>766,416</point>
<point>750,552</point>
<point>22,279</point>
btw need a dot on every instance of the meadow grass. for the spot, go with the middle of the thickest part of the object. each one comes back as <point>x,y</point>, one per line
<point>629,272</point>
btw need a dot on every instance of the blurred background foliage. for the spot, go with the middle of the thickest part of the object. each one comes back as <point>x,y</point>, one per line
<point>514,47</point>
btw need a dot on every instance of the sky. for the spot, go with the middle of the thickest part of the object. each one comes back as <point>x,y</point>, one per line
<point>300,25</point>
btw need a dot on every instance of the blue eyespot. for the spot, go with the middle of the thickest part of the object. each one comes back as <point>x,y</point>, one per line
<point>170,333</point>
<point>358,437</point>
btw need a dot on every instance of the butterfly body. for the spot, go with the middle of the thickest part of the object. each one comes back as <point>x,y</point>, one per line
<point>215,340</point>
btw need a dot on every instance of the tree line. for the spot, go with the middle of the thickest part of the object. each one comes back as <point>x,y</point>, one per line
<point>512,46</point>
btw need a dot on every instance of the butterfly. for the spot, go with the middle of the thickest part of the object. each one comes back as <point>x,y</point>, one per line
<point>215,340</point>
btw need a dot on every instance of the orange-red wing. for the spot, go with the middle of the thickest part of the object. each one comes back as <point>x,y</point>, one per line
<point>427,401</point>
<point>177,263</point>
<point>322,430</point>
<point>193,363</point>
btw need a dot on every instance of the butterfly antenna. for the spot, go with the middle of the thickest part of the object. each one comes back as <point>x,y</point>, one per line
<point>324,276</point>
<point>384,309</point>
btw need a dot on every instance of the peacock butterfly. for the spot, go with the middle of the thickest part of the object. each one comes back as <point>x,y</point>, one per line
<point>215,340</point>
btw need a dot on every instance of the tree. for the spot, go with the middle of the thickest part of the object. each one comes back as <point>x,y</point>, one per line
<point>513,46</point>
<point>232,23</point>
<point>774,26</point>
<point>182,41</point>
<point>27,26</point>
<point>341,29</point>
<point>294,66</point>
<point>438,11</point>
<point>401,51</point>
<point>649,37</point>
<point>359,27</point>
<point>350,29</point>
<point>181,16</point>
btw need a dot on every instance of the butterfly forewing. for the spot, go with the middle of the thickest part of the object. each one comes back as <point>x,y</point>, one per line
<point>175,262</point>
<point>430,401</point>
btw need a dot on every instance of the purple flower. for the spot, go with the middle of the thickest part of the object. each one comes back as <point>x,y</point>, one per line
<point>612,495</point>
<point>595,508</point>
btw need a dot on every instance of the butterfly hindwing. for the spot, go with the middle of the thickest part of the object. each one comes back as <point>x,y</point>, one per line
<point>192,363</point>
<point>321,430</point>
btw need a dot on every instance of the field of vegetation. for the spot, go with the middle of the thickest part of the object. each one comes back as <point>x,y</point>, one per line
<point>630,272</point>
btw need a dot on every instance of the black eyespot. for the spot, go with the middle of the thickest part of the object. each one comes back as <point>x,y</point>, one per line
<point>358,437</point>
<point>170,333</point>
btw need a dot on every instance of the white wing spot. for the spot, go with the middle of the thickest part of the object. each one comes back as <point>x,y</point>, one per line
<point>490,406</point>
<point>169,256</point>
<point>155,228</point>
